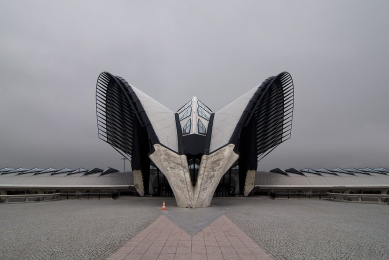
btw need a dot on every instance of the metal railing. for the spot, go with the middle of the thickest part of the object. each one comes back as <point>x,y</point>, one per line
<point>297,195</point>
<point>28,197</point>
<point>89,195</point>
<point>360,198</point>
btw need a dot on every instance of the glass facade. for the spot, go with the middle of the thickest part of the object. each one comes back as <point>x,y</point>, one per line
<point>186,114</point>
<point>184,107</point>
<point>202,114</point>
<point>202,129</point>
<point>186,129</point>
<point>204,106</point>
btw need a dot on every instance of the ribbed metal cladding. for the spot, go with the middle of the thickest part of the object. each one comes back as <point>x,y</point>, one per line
<point>274,114</point>
<point>115,115</point>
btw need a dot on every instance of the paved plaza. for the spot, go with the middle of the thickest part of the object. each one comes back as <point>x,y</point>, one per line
<point>233,228</point>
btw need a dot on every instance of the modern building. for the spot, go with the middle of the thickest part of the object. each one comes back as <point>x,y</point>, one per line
<point>197,151</point>
<point>194,154</point>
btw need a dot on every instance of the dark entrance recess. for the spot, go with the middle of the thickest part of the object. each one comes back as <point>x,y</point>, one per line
<point>194,166</point>
<point>160,185</point>
<point>229,183</point>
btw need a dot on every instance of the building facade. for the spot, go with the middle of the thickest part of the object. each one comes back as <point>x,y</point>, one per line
<point>194,149</point>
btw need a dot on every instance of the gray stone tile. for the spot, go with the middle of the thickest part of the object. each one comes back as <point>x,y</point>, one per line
<point>194,220</point>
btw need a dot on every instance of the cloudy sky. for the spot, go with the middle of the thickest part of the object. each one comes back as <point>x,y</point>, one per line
<point>51,53</point>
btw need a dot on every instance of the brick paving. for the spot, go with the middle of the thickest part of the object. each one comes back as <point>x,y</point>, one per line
<point>164,240</point>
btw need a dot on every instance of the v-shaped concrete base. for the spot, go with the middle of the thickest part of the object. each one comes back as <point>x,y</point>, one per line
<point>212,168</point>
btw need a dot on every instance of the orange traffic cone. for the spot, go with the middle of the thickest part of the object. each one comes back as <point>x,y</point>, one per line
<point>163,206</point>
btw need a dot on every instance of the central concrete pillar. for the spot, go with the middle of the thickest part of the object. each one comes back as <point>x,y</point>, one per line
<point>212,168</point>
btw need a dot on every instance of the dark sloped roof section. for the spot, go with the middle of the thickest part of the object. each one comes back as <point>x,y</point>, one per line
<point>94,170</point>
<point>322,170</point>
<point>338,170</point>
<point>353,170</point>
<point>48,170</point>
<point>120,115</point>
<point>309,170</point>
<point>21,171</point>
<point>6,170</point>
<point>270,113</point>
<point>369,170</point>
<point>79,170</point>
<point>293,170</point>
<point>278,170</point>
<point>382,170</point>
<point>64,170</point>
<point>35,170</point>
<point>108,171</point>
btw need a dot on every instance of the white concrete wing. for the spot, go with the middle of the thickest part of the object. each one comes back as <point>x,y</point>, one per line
<point>226,119</point>
<point>161,118</point>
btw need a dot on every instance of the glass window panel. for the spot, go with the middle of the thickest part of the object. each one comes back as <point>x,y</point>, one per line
<point>65,170</point>
<point>339,170</point>
<point>202,114</point>
<point>80,170</point>
<point>202,129</point>
<point>187,126</point>
<point>352,170</point>
<point>185,107</point>
<point>186,113</point>
<point>204,106</point>
<point>34,170</point>
<point>49,170</point>
<point>323,170</point>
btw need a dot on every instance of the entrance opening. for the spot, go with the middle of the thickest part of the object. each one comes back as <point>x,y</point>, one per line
<point>159,186</point>
<point>194,166</point>
<point>229,183</point>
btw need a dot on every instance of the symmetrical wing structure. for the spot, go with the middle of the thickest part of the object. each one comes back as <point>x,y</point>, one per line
<point>144,131</point>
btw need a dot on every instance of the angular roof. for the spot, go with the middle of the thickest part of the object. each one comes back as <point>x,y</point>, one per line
<point>227,118</point>
<point>128,118</point>
<point>259,120</point>
<point>161,118</point>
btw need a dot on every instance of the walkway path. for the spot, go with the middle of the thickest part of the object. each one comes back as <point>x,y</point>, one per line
<point>163,239</point>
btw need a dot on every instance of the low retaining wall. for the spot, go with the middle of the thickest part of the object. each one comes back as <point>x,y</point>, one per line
<point>28,197</point>
<point>360,198</point>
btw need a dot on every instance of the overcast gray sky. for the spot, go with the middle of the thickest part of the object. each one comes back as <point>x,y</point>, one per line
<point>51,53</point>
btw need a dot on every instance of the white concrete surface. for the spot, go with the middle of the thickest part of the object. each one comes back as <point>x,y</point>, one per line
<point>175,168</point>
<point>161,118</point>
<point>138,182</point>
<point>226,119</point>
<point>212,169</point>
<point>249,184</point>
